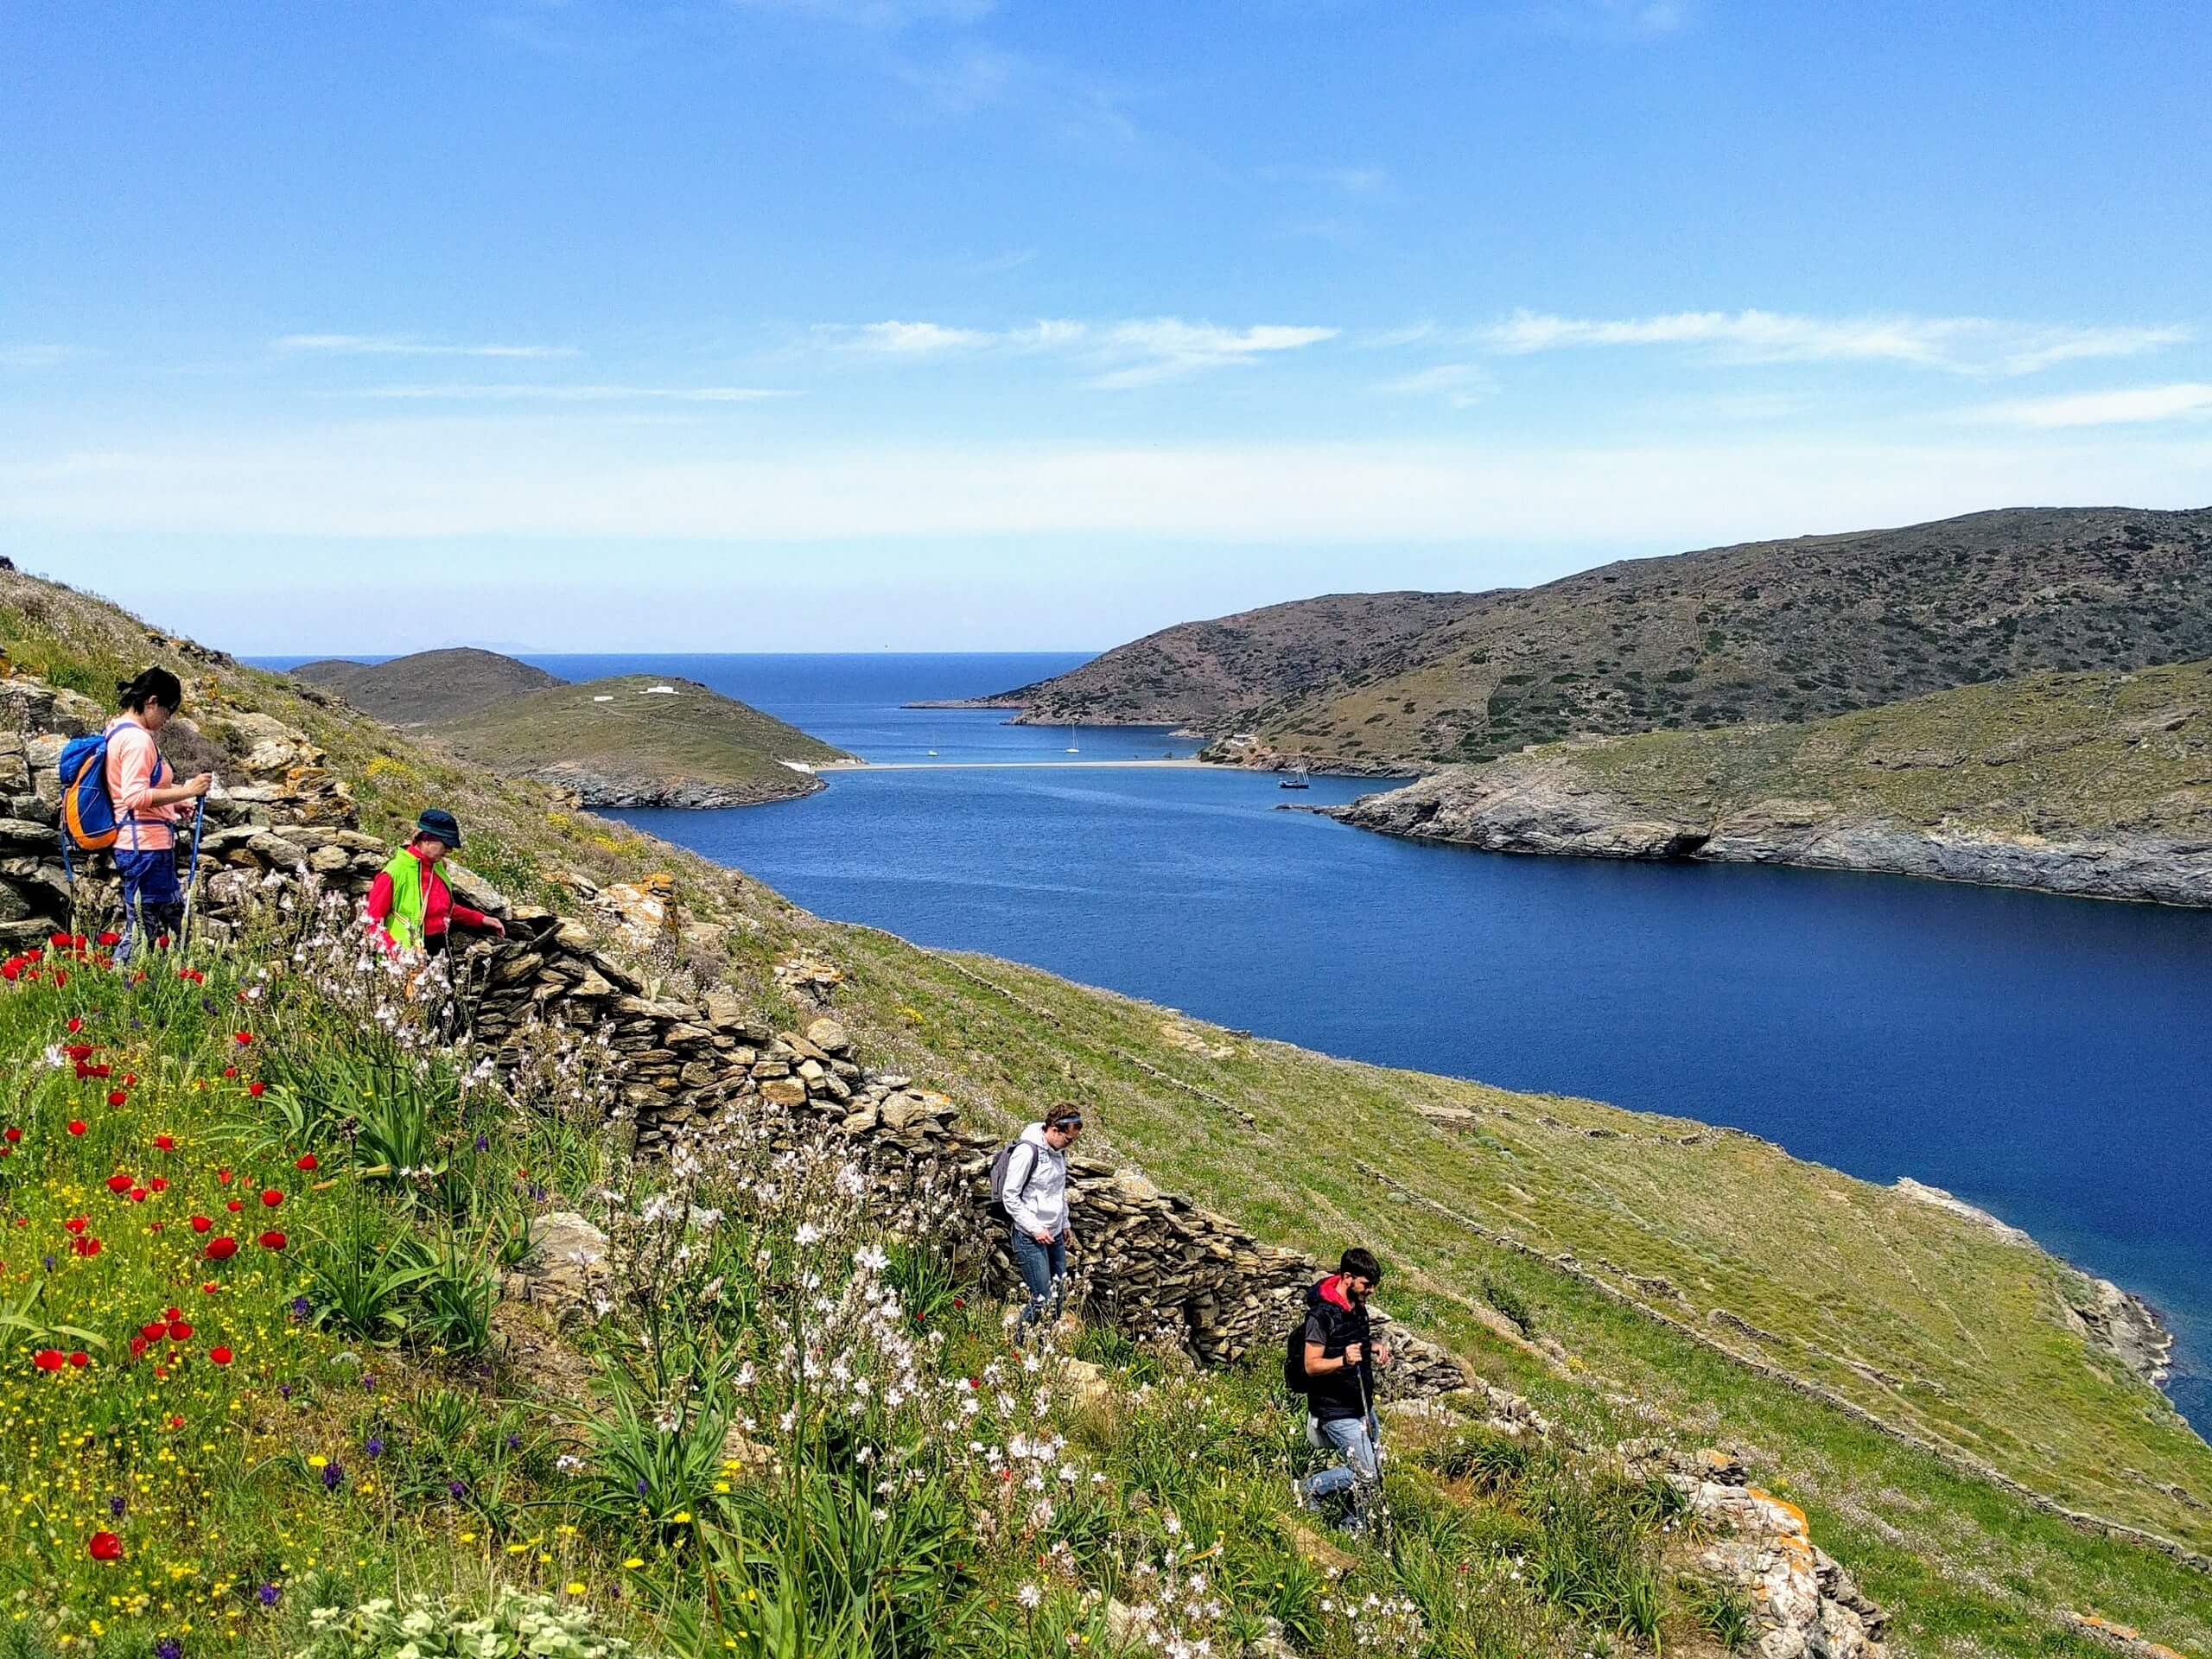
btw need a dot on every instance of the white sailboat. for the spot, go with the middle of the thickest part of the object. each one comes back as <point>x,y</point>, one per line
<point>1297,778</point>
<point>1071,748</point>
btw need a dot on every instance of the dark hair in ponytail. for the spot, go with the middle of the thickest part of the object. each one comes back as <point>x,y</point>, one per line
<point>152,685</point>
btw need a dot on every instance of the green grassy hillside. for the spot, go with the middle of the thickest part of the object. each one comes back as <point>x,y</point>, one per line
<point>637,737</point>
<point>1851,1299</point>
<point>428,686</point>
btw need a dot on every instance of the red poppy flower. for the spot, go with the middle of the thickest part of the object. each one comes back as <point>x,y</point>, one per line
<point>12,968</point>
<point>244,1038</point>
<point>257,1087</point>
<point>105,1547</point>
<point>155,1332</point>
<point>76,1126</point>
<point>116,1098</point>
<point>80,1359</point>
<point>230,1070</point>
<point>14,1135</point>
<point>200,1223</point>
<point>235,1203</point>
<point>138,1346</point>
<point>79,1051</point>
<point>108,941</point>
<point>118,1183</point>
<point>159,1184</point>
<point>165,1142</point>
<point>179,1331</point>
<point>49,1359</point>
<point>60,976</point>
<point>76,1024</point>
<point>130,1079</point>
<point>224,1176</point>
<point>176,1422</point>
<point>307,1161</point>
<point>271,1197</point>
<point>272,1241</point>
<point>75,1223</point>
<point>220,1356</point>
<point>137,1195</point>
<point>103,1070</point>
<point>222,1248</point>
<point>87,1247</point>
<point>60,941</point>
<point>209,1288</point>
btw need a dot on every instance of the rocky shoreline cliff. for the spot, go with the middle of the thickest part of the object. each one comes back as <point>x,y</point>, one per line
<point>1544,802</point>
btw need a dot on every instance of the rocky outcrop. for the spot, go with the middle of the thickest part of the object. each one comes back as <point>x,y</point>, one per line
<point>1803,1604</point>
<point>593,788</point>
<point>1543,803</point>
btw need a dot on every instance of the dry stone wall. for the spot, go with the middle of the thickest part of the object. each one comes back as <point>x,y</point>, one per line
<point>1152,1262</point>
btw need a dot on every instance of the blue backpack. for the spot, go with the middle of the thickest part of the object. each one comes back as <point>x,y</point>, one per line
<point>88,816</point>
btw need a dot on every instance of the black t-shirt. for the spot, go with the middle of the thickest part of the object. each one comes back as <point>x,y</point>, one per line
<point>1348,1392</point>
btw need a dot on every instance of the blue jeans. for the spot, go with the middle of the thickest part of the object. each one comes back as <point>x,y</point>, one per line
<point>152,904</point>
<point>1358,1442</point>
<point>1044,1269</point>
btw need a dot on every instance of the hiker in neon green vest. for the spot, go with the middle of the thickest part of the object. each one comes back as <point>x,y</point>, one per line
<point>409,907</point>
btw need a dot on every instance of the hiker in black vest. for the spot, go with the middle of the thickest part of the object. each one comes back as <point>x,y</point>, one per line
<point>1339,1360</point>
<point>1036,1197</point>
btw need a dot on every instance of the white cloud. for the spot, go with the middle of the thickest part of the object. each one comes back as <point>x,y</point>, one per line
<point>33,356</point>
<point>1960,345</point>
<point>480,392</point>
<point>2129,406</point>
<point>1117,355</point>
<point>401,346</point>
<point>1461,385</point>
<point>442,479</point>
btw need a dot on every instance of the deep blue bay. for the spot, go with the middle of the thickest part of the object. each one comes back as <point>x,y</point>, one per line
<point>2047,1058</point>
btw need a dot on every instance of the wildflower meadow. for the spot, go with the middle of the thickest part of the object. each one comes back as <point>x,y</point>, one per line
<point>261,1390</point>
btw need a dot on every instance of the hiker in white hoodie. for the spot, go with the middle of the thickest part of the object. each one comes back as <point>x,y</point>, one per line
<point>1037,1200</point>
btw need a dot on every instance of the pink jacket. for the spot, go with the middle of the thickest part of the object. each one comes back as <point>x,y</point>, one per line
<point>135,770</point>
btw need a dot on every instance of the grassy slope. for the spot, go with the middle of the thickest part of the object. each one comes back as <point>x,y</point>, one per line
<point>428,685</point>
<point>695,737</point>
<point>1792,630</point>
<point>1830,1266</point>
<point>2046,754</point>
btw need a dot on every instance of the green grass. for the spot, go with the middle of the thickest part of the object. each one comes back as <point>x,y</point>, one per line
<point>1966,1330</point>
<point>2048,755</point>
<point>619,730</point>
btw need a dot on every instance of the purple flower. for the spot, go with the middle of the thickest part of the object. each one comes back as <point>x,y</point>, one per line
<point>300,1307</point>
<point>332,1476</point>
<point>115,1506</point>
<point>483,1142</point>
<point>168,1648</point>
<point>373,1445</point>
<point>49,1262</point>
<point>268,1592</point>
<point>284,1389</point>
<point>514,1442</point>
<point>458,1488</point>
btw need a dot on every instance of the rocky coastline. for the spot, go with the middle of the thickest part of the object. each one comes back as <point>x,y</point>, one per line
<point>1543,803</point>
<point>591,789</point>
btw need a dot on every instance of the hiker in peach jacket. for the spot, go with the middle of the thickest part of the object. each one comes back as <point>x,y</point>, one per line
<point>146,802</point>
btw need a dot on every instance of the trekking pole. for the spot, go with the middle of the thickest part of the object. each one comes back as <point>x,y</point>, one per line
<point>191,875</point>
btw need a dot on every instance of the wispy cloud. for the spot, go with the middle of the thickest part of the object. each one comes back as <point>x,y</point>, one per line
<point>1615,20</point>
<point>494,392</point>
<point>1114,355</point>
<point>1351,181</point>
<point>33,356</point>
<point>2127,406</point>
<point>1461,385</point>
<point>974,76</point>
<point>1959,345</point>
<point>403,345</point>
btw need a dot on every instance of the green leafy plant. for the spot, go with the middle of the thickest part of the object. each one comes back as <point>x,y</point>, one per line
<point>517,1625</point>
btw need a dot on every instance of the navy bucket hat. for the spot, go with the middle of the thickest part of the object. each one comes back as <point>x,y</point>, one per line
<point>440,823</point>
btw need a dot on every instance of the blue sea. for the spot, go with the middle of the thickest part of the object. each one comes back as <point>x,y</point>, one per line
<point>2048,1058</point>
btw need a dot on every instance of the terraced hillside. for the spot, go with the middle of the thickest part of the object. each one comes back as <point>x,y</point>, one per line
<point>1925,1389</point>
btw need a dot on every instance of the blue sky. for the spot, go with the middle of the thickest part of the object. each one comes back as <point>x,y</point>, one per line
<point>845,324</point>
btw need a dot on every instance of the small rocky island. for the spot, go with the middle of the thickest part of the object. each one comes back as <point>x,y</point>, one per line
<point>629,739</point>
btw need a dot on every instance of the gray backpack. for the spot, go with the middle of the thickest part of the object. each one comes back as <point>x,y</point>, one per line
<point>999,1166</point>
